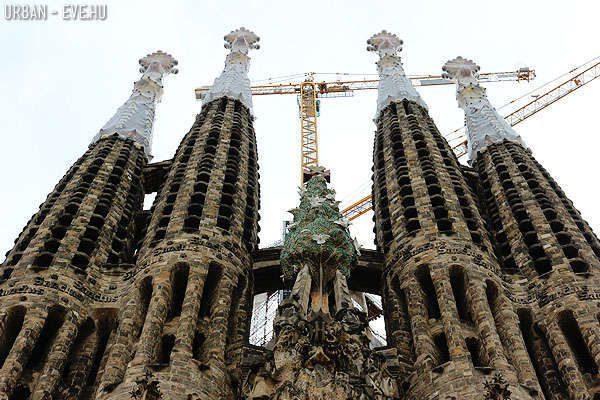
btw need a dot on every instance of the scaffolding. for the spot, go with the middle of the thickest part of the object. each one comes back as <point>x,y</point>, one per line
<point>263,313</point>
<point>265,308</point>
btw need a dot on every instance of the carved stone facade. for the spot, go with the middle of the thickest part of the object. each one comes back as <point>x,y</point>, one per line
<point>486,271</point>
<point>321,348</point>
<point>488,275</point>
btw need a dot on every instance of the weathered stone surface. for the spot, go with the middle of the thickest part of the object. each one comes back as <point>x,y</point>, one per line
<point>446,311</point>
<point>321,346</point>
<point>488,277</point>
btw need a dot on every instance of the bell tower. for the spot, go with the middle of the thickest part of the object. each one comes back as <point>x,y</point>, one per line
<point>445,310</point>
<point>542,242</point>
<point>63,260</point>
<point>187,310</point>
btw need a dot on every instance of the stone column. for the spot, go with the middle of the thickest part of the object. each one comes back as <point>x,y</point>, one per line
<point>83,358</point>
<point>590,330</point>
<point>55,362</point>
<point>155,319</point>
<point>189,312</point>
<point>397,323</point>
<point>449,314</point>
<point>565,361</point>
<point>242,315</point>
<point>508,329</point>
<point>217,334</point>
<point>21,351</point>
<point>131,319</point>
<point>484,323</point>
<point>418,319</point>
<point>549,373</point>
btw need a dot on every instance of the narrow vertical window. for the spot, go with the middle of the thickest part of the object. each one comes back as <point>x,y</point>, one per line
<point>180,281</point>
<point>442,348</point>
<point>570,329</point>
<point>457,282</point>
<point>431,302</point>
<point>14,324</point>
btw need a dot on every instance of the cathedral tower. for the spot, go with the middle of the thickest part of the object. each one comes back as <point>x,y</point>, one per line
<point>63,259</point>
<point>539,236</point>
<point>187,310</point>
<point>487,273</point>
<point>445,310</point>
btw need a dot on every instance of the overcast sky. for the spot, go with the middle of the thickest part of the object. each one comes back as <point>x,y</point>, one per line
<point>62,80</point>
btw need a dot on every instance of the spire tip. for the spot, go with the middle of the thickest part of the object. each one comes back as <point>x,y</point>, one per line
<point>167,62</point>
<point>242,40</point>
<point>461,69</point>
<point>384,42</point>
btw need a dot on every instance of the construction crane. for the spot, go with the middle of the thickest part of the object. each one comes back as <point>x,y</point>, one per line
<point>308,92</point>
<point>542,98</point>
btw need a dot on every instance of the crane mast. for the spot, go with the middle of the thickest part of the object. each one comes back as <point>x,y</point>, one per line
<point>309,145</point>
<point>308,92</point>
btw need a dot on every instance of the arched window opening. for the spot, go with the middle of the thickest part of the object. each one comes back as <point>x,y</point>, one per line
<point>475,350</point>
<point>166,347</point>
<point>431,302</point>
<point>197,345</point>
<point>210,287</point>
<point>54,321</point>
<point>441,344</point>
<point>399,329</point>
<point>540,355</point>
<point>106,326</point>
<point>145,297</point>
<point>6,274</point>
<point>180,281</point>
<point>14,323</point>
<point>86,330</point>
<point>457,282</point>
<point>570,329</point>
<point>232,323</point>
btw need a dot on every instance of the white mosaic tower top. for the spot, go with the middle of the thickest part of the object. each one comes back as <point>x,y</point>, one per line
<point>484,125</point>
<point>135,119</point>
<point>233,81</point>
<point>393,82</point>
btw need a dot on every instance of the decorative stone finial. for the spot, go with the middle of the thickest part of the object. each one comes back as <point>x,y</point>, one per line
<point>393,83</point>
<point>463,71</point>
<point>484,125</point>
<point>241,40</point>
<point>159,59</point>
<point>385,43</point>
<point>134,119</point>
<point>233,81</point>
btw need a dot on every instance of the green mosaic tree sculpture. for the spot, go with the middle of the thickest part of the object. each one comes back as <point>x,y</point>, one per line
<point>319,237</point>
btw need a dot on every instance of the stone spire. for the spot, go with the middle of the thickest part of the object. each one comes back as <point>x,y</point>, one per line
<point>233,81</point>
<point>135,119</point>
<point>393,82</point>
<point>484,125</point>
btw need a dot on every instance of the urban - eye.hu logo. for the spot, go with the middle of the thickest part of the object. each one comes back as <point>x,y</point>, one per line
<point>68,12</point>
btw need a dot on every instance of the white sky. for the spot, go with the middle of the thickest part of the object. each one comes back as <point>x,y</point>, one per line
<point>61,81</point>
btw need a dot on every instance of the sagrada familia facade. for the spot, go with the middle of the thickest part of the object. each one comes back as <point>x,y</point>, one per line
<point>488,274</point>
